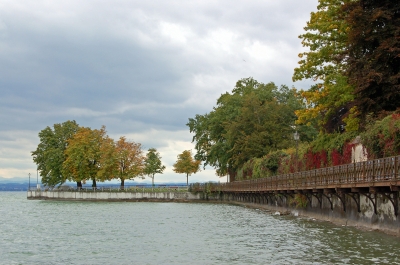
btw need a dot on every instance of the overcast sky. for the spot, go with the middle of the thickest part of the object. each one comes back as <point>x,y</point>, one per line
<point>141,68</point>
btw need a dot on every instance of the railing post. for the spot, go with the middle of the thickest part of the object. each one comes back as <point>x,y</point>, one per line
<point>373,170</point>
<point>326,176</point>
<point>363,170</point>
<point>384,168</point>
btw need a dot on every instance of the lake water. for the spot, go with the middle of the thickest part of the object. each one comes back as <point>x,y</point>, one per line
<point>55,232</point>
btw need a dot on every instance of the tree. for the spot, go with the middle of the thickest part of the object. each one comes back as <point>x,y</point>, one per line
<point>49,155</point>
<point>152,164</point>
<point>186,164</point>
<point>249,122</point>
<point>373,54</point>
<point>129,158</point>
<point>122,159</point>
<point>260,127</point>
<point>328,101</point>
<point>326,38</point>
<point>84,156</point>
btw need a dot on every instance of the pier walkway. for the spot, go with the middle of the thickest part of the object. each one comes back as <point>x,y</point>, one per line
<point>368,178</point>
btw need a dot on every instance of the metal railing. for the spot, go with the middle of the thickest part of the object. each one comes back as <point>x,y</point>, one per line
<point>381,172</point>
<point>137,188</point>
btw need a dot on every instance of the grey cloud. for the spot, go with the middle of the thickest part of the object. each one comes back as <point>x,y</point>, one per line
<point>136,66</point>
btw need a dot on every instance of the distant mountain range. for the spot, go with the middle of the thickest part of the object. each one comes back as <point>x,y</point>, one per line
<point>22,184</point>
<point>14,186</point>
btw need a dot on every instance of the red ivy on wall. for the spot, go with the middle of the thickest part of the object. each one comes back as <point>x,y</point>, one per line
<point>347,153</point>
<point>336,157</point>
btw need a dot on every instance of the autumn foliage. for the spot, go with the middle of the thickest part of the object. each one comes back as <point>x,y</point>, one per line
<point>81,154</point>
<point>186,164</point>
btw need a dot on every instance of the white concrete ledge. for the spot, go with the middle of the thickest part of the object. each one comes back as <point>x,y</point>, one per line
<point>111,196</point>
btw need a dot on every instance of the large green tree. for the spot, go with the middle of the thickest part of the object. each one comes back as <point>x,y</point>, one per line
<point>250,122</point>
<point>153,164</point>
<point>185,164</point>
<point>49,156</point>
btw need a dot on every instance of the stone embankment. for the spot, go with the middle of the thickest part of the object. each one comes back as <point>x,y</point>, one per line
<point>369,212</point>
<point>112,196</point>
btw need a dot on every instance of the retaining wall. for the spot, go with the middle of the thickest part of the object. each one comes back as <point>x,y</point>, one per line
<point>364,214</point>
<point>112,196</point>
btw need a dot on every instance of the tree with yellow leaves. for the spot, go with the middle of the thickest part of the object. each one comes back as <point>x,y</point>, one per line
<point>84,156</point>
<point>326,38</point>
<point>186,164</point>
<point>129,160</point>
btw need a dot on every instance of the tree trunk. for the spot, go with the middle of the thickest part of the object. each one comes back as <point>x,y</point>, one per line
<point>152,180</point>
<point>187,179</point>
<point>122,183</point>
<point>79,185</point>
<point>94,183</point>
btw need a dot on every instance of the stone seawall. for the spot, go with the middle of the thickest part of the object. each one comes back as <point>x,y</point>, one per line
<point>112,196</point>
<point>369,211</point>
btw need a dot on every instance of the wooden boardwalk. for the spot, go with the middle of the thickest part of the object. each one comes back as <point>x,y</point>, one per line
<point>378,176</point>
<point>372,174</point>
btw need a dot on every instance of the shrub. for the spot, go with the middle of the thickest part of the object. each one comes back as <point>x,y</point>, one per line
<point>382,138</point>
<point>299,201</point>
<point>272,161</point>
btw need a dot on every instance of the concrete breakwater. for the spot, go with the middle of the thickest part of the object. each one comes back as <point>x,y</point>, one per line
<point>112,196</point>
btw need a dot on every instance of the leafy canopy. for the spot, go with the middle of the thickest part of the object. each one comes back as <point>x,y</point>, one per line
<point>186,164</point>
<point>249,122</point>
<point>374,54</point>
<point>130,159</point>
<point>85,156</point>
<point>153,164</point>
<point>50,153</point>
<point>326,38</point>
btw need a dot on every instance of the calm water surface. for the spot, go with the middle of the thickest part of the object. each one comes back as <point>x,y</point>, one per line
<point>51,232</point>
